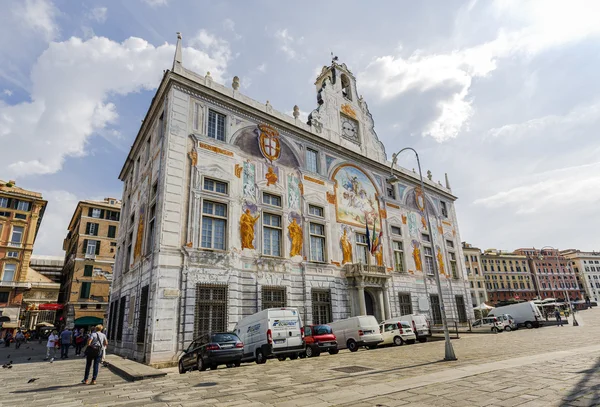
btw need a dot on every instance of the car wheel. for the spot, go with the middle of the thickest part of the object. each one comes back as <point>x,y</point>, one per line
<point>294,356</point>
<point>507,328</point>
<point>528,325</point>
<point>281,358</point>
<point>213,367</point>
<point>181,369</point>
<point>398,341</point>
<point>200,364</point>
<point>260,358</point>
<point>309,352</point>
<point>334,351</point>
<point>422,339</point>
<point>237,363</point>
<point>302,355</point>
<point>229,365</point>
<point>494,330</point>
<point>351,345</point>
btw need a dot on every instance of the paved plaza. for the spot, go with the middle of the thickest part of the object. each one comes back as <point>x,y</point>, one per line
<point>551,366</point>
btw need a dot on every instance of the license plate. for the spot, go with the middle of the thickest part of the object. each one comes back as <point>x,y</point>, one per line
<point>368,332</point>
<point>279,340</point>
<point>226,346</point>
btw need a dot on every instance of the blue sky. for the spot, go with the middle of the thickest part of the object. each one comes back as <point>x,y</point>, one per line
<point>503,96</point>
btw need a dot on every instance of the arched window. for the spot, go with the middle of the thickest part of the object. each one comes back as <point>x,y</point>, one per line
<point>346,91</point>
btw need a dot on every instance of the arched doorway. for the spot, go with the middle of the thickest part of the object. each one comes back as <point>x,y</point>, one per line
<point>369,303</point>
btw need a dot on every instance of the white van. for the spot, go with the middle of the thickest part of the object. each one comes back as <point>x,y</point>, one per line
<point>525,314</point>
<point>354,332</point>
<point>273,332</point>
<point>419,323</point>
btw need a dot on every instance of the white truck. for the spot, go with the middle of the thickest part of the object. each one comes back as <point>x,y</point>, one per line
<point>354,332</point>
<point>273,332</point>
<point>525,314</point>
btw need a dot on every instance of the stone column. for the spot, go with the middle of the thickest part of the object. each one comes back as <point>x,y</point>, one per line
<point>361,298</point>
<point>381,304</point>
<point>386,303</point>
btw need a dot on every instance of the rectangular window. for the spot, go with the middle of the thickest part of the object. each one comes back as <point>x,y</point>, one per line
<point>216,125</point>
<point>391,192</point>
<point>88,270</point>
<point>4,296</point>
<point>4,214</point>
<point>450,243</point>
<point>315,211</point>
<point>271,235</point>
<point>396,230</point>
<point>461,308</point>
<point>95,213</point>
<point>91,229</point>
<point>148,143</point>
<point>321,306</point>
<point>453,265</point>
<point>398,256</point>
<point>273,297</point>
<point>150,235</point>
<point>91,247</point>
<point>9,272</point>
<point>20,216</point>
<point>112,231</point>
<point>479,284</point>
<point>271,199</point>
<point>13,255</point>
<point>215,186</point>
<point>121,320</point>
<point>317,242</point>
<point>23,206</point>
<point>112,321</point>
<point>436,311</point>
<point>4,202</point>
<point>312,160</point>
<point>85,290</point>
<point>405,303</point>
<point>444,209</point>
<point>428,260</point>
<point>425,237</point>
<point>17,235</point>
<point>211,309</point>
<point>112,215</point>
<point>362,251</point>
<point>141,331</point>
<point>214,225</point>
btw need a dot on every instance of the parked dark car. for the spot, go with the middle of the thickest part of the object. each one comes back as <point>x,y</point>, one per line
<point>212,350</point>
<point>319,338</point>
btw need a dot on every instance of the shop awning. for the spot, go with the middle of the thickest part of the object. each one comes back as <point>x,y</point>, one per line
<point>10,325</point>
<point>87,321</point>
<point>50,307</point>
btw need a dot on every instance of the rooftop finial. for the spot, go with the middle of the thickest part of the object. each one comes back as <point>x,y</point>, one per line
<point>178,58</point>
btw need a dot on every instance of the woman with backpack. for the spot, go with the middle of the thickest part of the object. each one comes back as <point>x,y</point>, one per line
<point>95,347</point>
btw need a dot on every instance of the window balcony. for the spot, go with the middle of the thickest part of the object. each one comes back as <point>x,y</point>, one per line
<point>90,256</point>
<point>360,269</point>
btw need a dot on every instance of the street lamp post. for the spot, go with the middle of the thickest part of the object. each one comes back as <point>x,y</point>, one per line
<point>449,354</point>
<point>562,277</point>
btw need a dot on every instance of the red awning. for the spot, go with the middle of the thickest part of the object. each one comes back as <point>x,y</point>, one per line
<point>50,307</point>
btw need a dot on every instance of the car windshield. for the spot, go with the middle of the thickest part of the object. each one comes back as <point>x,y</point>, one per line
<point>406,325</point>
<point>220,338</point>
<point>321,330</point>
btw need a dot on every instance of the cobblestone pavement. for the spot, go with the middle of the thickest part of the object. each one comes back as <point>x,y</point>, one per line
<point>551,366</point>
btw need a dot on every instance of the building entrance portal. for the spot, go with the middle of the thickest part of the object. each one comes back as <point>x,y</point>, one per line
<point>369,303</point>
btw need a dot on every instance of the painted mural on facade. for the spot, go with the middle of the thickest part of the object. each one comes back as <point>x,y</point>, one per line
<point>356,197</point>
<point>293,191</point>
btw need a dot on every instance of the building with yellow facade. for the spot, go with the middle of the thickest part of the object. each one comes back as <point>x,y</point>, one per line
<point>21,212</point>
<point>90,248</point>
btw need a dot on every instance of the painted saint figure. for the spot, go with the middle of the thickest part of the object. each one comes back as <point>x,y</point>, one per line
<point>440,259</point>
<point>346,248</point>
<point>247,222</point>
<point>417,256</point>
<point>296,236</point>
<point>271,177</point>
<point>379,256</point>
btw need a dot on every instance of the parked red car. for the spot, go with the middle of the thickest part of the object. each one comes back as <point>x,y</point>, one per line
<point>319,338</point>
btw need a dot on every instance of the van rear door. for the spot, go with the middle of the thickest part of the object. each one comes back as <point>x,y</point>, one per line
<point>285,329</point>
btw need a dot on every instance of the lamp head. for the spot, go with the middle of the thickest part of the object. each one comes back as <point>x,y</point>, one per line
<point>392,179</point>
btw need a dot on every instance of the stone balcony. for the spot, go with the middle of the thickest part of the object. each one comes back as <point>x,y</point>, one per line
<point>368,273</point>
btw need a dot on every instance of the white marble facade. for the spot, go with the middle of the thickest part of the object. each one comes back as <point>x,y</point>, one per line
<point>164,179</point>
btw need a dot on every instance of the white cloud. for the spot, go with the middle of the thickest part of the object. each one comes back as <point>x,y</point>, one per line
<point>262,68</point>
<point>156,3</point>
<point>545,25</point>
<point>7,92</point>
<point>286,42</point>
<point>98,14</point>
<point>72,82</point>
<point>573,187</point>
<point>53,229</point>
<point>38,15</point>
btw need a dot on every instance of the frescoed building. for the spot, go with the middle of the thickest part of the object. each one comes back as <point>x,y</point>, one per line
<point>230,206</point>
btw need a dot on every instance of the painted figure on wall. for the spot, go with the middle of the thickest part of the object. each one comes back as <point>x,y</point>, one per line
<point>379,256</point>
<point>249,181</point>
<point>137,251</point>
<point>356,202</point>
<point>440,260</point>
<point>417,256</point>
<point>296,236</point>
<point>271,177</point>
<point>294,191</point>
<point>247,222</point>
<point>346,248</point>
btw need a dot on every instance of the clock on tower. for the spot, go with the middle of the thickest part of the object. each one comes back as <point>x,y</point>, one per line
<point>349,128</point>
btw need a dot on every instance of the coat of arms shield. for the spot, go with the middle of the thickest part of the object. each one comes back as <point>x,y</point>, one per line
<point>270,145</point>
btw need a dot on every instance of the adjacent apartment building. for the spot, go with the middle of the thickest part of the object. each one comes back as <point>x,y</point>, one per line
<point>553,275</point>
<point>475,275</point>
<point>586,266</point>
<point>507,276</point>
<point>230,206</point>
<point>90,249</point>
<point>21,213</point>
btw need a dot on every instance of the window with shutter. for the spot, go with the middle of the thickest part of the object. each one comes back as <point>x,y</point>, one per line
<point>85,244</point>
<point>88,270</point>
<point>97,247</point>
<point>87,228</point>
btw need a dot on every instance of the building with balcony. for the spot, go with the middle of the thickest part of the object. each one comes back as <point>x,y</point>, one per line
<point>230,207</point>
<point>586,266</point>
<point>21,213</point>
<point>475,275</point>
<point>90,249</point>
<point>507,276</point>
<point>553,276</point>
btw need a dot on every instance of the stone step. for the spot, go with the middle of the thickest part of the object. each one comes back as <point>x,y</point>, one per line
<point>130,370</point>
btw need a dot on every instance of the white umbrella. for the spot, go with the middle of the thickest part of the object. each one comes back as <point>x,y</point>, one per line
<point>483,306</point>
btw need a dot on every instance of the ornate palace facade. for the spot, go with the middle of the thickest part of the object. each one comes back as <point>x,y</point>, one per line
<point>230,207</point>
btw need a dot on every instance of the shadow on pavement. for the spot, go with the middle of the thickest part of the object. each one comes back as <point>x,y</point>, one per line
<point>207,384</point>
<point>585,393</point>
<point>49,388</point>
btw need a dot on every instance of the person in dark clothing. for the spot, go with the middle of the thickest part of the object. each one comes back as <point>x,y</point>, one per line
<point>558,318</point>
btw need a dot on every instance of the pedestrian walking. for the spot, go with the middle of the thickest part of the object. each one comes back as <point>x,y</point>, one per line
<point>8,339</point>
<point>66,338</point>
<point>93,353</point>
<point>557,316</point>
<point>79,341</point>
<point>51,345</point>
<point>19,339</point>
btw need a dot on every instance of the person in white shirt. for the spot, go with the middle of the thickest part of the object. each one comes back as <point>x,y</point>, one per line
<point>52,345</point>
